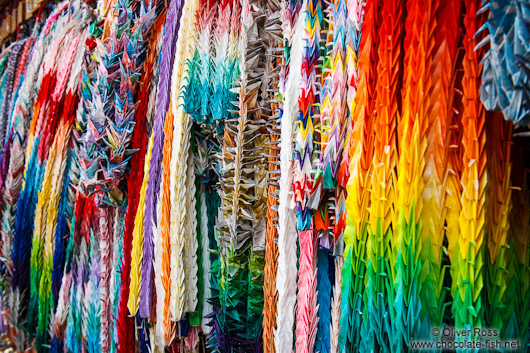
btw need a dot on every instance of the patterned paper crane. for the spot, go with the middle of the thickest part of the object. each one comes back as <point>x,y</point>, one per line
<point>468,259</point>
<point>505,76</point>
<point>306,197</point>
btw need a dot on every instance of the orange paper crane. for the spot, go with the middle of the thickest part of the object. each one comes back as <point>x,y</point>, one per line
<point>412,135</point>
<point>467,261</point>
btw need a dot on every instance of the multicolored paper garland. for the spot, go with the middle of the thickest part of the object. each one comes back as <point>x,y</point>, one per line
<point>194,171</point>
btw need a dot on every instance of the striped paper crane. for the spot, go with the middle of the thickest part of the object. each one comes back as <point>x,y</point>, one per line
<point>468,260</point>
<point>383,232</point>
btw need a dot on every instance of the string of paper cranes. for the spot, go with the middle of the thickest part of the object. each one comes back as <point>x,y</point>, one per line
<point>278,176</point>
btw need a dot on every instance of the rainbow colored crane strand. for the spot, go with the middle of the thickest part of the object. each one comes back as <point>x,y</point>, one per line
<point>265,176</point>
